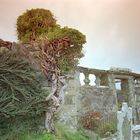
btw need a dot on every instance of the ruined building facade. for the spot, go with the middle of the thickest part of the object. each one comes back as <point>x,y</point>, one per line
<point>104,98</point>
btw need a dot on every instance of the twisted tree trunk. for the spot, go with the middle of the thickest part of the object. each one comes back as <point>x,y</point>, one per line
<point>48,54</point>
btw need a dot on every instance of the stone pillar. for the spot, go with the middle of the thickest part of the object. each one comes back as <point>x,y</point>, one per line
<point>86,80</point>
<point>131,93</point>
<point>111,83</point>
<point>68,114</point>
<point>97,80</point>
<point>104,80</point>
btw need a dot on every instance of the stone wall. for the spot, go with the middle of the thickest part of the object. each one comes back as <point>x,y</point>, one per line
<point>102,97</point>
<point>96,99</point>
<point>137,106</point>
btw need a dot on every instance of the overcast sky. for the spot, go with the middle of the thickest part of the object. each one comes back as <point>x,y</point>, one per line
<point>112,27</point>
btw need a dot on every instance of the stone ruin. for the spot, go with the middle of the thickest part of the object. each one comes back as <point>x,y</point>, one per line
<point>103,99</point>
<point>88,104</point>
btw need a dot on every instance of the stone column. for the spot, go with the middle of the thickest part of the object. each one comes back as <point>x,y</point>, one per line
<point>68,114</point>
<point>97,80</point>
<point>86,80</point>
<point>131,93</point>
<point>112,86</point>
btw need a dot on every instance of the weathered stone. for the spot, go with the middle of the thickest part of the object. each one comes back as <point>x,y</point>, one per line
<point>124,123</point>
<point>97,99</point>
<point>103,96</point>
<point>68,114</point>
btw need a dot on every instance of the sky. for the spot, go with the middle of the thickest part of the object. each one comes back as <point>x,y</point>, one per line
<point>112,27</point>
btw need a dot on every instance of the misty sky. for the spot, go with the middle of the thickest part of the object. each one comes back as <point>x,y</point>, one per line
<point>112,27</point>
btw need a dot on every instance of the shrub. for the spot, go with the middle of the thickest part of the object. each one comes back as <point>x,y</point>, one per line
<point>90,120</point>
<point>21,95</point>
<point>107,126</point>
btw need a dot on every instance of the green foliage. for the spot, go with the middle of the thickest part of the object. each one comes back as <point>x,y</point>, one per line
<point>64,133</point>
<point>98,138</point>
<point>48,136</point>
<point>27,134</point>
<point>21,94</point>
<point>106,129</point>
<point>33,23</point>
<point>20,130</point>
<point>40,23</point>
<point>111,127</point>
<point>72,54</point>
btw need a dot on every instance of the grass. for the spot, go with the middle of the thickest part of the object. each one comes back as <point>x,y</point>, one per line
<point>62,133</point>
<point>25,135</point>
<point>106,129</point>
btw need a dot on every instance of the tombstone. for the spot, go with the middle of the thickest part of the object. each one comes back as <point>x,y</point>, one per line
<point>124,125</point>
<point>136,132</point>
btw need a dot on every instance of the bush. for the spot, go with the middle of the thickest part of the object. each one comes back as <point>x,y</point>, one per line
<point>107,126</point>
<point>21,95</point>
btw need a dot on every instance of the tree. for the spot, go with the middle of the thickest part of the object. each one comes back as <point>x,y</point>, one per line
<point>59,51</point>
<point>40,23</point>
<point>70,56</point>
<point>33,23</point>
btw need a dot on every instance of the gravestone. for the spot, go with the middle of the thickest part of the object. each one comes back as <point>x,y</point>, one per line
<point>124,125</point>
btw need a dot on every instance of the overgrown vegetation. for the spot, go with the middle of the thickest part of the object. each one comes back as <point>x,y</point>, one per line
<point>22,100</point>
<point>90,120</point>
<point>39,24</point>
<point>33,23</point>
<point>65,133</point>
<point>106,127</point>
<point>26,134</point>
<point>59,52</point>
<point>71,55</point>
<point>94,121</point>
